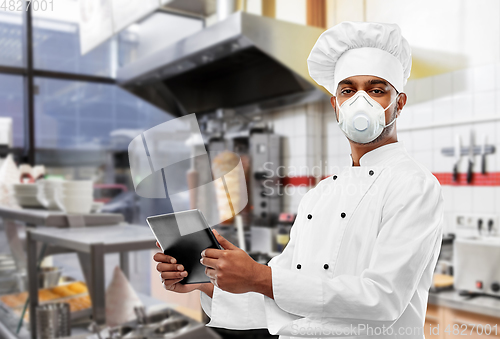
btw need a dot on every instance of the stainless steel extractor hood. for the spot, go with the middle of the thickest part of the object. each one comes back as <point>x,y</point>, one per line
<point>246,62</point>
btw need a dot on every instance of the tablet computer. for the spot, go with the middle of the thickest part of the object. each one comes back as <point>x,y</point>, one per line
<point>184,235</point>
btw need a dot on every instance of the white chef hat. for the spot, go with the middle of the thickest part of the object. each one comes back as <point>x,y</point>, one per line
<point>360,48</point>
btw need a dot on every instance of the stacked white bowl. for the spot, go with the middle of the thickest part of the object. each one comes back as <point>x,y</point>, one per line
<point>47,189</point>
<point>26,195</point>
<point>75,197</point>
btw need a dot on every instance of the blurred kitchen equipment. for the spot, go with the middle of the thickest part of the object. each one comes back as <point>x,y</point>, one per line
<point>238,221</point>
<point>265,155</point>
<point>446,253</point>
<point>470,168</point>
<point>192,174</point>
<point>483,154</point>
<point>75,197</point>
<point>457,154</point>
<point>231,192</point>
<point>263,239</point>
<point>49,276</point>
<point>38,172</point>
<point>473,225</point>
<point>140,313</point>
<point>126,204</point>
<point>260,152</point>
<point>192,179</point>
<point>475,265</point>
<point>53,320</point>
<point>285,222</point>
<point>441,282</point>
<point>47,189</point>
<point>164,323</point>
<point>96,207</point>
<point>9,176</point>
<point>94,328</point>
<point>26,174</point>
<point>8,280</point>
<point>157,316</point>
<point>457,151</point>
<point>26,195</point>
<point>6,136</point>
<point>246,48</point>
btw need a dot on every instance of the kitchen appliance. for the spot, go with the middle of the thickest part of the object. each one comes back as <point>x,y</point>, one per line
<point>265,160</point>
<point>475,265</point>
<point>246,62</point>
<point>260,151</point>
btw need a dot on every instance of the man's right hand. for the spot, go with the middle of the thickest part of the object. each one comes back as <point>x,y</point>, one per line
<point>172,273</point>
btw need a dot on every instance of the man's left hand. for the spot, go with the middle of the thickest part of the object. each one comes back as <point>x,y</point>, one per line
<point>231,269</point>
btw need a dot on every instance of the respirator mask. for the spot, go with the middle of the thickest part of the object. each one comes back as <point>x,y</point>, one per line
<point>361,118</point>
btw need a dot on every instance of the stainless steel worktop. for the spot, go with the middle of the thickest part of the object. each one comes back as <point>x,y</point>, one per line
<point>114,238</point>
<point>41,217</point>
<point>483,305</point>
<point>91,244</point>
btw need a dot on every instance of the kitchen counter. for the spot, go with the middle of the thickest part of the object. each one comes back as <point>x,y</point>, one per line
<point>482,305</point>
<point>91,244</point>
<point>43,217</point>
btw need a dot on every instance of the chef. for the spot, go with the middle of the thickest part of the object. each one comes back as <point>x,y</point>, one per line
<point>366,239</point>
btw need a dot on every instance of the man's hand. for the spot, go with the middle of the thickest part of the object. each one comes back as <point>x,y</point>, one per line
<point>171,273</point>
<point>233,270</point>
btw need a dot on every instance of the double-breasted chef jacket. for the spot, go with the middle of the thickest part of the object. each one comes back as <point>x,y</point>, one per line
<point>360,259</point>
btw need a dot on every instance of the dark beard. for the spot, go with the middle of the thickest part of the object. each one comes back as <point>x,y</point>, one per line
<point>385,131</point>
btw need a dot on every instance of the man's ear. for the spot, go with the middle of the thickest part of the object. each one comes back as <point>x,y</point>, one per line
<point>332,101</point>
<point>401,103</point>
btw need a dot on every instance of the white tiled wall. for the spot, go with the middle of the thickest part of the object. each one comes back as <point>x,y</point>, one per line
<point>435,104</point>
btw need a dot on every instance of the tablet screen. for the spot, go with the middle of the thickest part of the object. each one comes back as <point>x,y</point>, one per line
<point>184,235</point>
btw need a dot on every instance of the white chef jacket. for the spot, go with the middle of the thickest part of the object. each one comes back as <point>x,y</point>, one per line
<point>360,259</point>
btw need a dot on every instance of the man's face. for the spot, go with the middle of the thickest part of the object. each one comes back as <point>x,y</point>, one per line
<point>378,89</point>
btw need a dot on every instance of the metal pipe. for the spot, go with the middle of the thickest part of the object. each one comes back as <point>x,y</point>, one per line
<point>29,96</point>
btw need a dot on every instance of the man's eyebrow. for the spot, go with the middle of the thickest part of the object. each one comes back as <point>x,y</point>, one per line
<point>377,82</point>
<point>345,82</point>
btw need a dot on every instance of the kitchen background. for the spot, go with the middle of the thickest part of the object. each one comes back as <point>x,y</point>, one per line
<point>93,90</point>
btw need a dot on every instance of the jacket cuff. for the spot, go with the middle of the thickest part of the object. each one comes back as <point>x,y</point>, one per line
<point>206,303</point>
<point>307,292</point>
<point>277,319</point>
<point>237,311</point>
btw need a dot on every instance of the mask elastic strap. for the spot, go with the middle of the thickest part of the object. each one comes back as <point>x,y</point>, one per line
<point>389,124</point>
<point>393,101</point>
<point>338,107</point>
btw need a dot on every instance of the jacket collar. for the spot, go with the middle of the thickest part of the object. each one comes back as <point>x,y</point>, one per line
<point>380,154</point>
